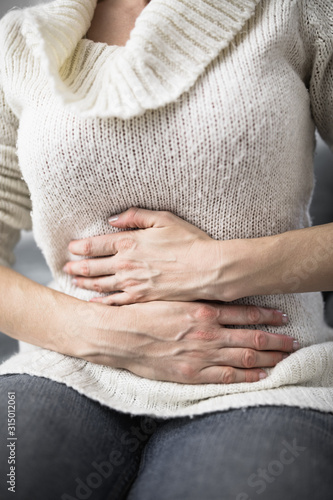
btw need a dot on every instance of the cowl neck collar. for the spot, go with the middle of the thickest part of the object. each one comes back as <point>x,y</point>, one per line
<point>170,46</point>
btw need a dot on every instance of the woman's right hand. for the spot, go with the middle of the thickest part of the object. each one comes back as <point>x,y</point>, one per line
<point>186,342</point>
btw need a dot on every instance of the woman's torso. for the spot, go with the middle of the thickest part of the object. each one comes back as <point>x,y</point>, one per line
<point>231,152</point>
<point>232,156</point>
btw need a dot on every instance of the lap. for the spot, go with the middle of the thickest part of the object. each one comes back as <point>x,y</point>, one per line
<point>71,447</point>
<point>68,446</point>
<point>262,452</point>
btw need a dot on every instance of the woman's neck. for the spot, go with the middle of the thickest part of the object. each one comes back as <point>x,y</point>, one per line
<point>134,4</point>
<point>114,20</point>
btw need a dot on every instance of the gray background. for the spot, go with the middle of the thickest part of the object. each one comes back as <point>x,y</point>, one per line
<point>30,261</point>
<point>5,5</point>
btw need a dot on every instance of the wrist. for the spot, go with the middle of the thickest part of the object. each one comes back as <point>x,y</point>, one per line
<point>90,323</point>
<point>229,256</point>
<point>102,333</point>
<point>75,324</point>
<point>244,268</point>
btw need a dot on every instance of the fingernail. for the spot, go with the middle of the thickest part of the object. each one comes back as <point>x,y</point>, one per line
<point>285,318</point>
<point>285,356</point>
<point>262,375</point>
<point>65,268</point>
<point>74,281</point>
<point>296,345</point>
<point>113,218</point>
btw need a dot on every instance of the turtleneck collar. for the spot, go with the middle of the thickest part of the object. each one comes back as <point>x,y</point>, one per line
<point>170,46</point>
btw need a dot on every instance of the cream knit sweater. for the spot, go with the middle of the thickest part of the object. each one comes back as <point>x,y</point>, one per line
<point>209,112</point>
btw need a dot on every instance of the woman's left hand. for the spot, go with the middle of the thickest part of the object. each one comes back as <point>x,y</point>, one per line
<point>164,258</point>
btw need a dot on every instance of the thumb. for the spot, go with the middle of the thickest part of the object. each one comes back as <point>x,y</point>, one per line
<point>139,218</point>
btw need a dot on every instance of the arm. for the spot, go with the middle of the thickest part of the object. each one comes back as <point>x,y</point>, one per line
<point>293,262</point>
<point>177,341</point>
<point>22,300</point>
<point>171,259</point>
<point>41,316</point>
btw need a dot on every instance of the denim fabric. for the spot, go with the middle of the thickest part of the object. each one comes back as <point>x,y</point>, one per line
<point>260,453</point>
<point>70,447</point>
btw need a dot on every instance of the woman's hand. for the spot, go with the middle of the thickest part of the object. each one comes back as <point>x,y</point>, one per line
<point>202,268</point>
<point>169,259</point>
<point>187,342</point>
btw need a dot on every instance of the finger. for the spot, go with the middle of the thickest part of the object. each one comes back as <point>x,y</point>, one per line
<point>91,267</point>
<point>258,340</point>
<point>254,339</point>
<point>142,218</point>
<point>229,375</point>
<point>208,375</point>
<point>250,315</point>
<point>96,246</point>
<point>247,358</point>
<point>102,284</point>
<point>123,299</point>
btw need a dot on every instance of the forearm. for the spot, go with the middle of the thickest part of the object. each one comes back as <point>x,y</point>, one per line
<point>171,259</point>
<point>292,262</point>
<point>41,316</point>
<point>155,340</point>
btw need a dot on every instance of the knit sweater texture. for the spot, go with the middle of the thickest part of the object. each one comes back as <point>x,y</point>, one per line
<point>209,111</point>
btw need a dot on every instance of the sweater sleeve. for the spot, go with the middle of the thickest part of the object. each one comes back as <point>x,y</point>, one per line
<point>318,36</point>
<point>15,205</point>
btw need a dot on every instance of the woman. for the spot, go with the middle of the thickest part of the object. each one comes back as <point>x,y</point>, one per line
<point>204,115</point>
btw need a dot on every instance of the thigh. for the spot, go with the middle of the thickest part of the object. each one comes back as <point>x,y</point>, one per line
<point>68,446</point>
<point>263,452</point>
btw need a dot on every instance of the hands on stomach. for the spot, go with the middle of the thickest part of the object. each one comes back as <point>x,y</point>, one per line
<point>159,274</point>
<point>169,259</point>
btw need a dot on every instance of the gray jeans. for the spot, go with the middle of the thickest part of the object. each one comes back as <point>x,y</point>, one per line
<point>69,447</point>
